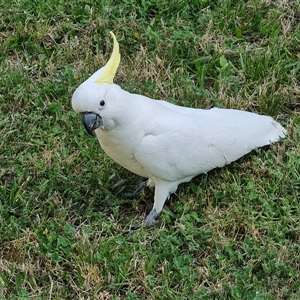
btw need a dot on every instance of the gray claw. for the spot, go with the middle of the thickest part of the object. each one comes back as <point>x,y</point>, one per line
<point>139,190</point>
<point>150,219</point>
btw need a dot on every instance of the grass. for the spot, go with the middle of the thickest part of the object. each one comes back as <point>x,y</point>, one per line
<point>64,217</point>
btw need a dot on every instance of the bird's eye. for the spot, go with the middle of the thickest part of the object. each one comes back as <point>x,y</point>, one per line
<point>102,103</point>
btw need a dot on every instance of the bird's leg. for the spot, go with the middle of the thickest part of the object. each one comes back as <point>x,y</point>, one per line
<point>139,190</point>
<point>162,193</point>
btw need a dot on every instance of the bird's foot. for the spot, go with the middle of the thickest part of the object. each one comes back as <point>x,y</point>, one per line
<point>151,218</point>
<point>139,190</point>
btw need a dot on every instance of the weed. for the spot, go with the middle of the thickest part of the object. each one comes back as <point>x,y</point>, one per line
<point>231,234</point>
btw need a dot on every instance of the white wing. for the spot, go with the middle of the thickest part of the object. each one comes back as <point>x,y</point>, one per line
<point>183,142</point>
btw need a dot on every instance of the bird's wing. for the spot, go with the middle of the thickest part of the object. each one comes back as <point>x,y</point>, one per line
<point>178,144</point>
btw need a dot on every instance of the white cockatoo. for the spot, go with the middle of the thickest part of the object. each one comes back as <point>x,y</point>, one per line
<point>165,143</point>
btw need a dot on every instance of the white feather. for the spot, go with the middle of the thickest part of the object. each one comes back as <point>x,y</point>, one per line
<point>170,144</point>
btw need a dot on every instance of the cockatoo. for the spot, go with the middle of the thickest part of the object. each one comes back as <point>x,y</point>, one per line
<point>166,143</point>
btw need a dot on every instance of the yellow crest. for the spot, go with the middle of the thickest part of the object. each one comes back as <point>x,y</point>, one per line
<point>111,67</point>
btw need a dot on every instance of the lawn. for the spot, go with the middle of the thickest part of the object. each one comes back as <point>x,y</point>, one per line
<point>65,214</point>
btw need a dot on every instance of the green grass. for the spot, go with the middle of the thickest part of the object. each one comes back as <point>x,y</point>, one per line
<point>64,216</point>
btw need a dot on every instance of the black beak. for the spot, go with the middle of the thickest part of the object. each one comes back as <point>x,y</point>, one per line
<point>91,122</point>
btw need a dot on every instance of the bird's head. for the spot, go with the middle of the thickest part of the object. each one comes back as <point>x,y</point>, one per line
<point>93,99</point>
